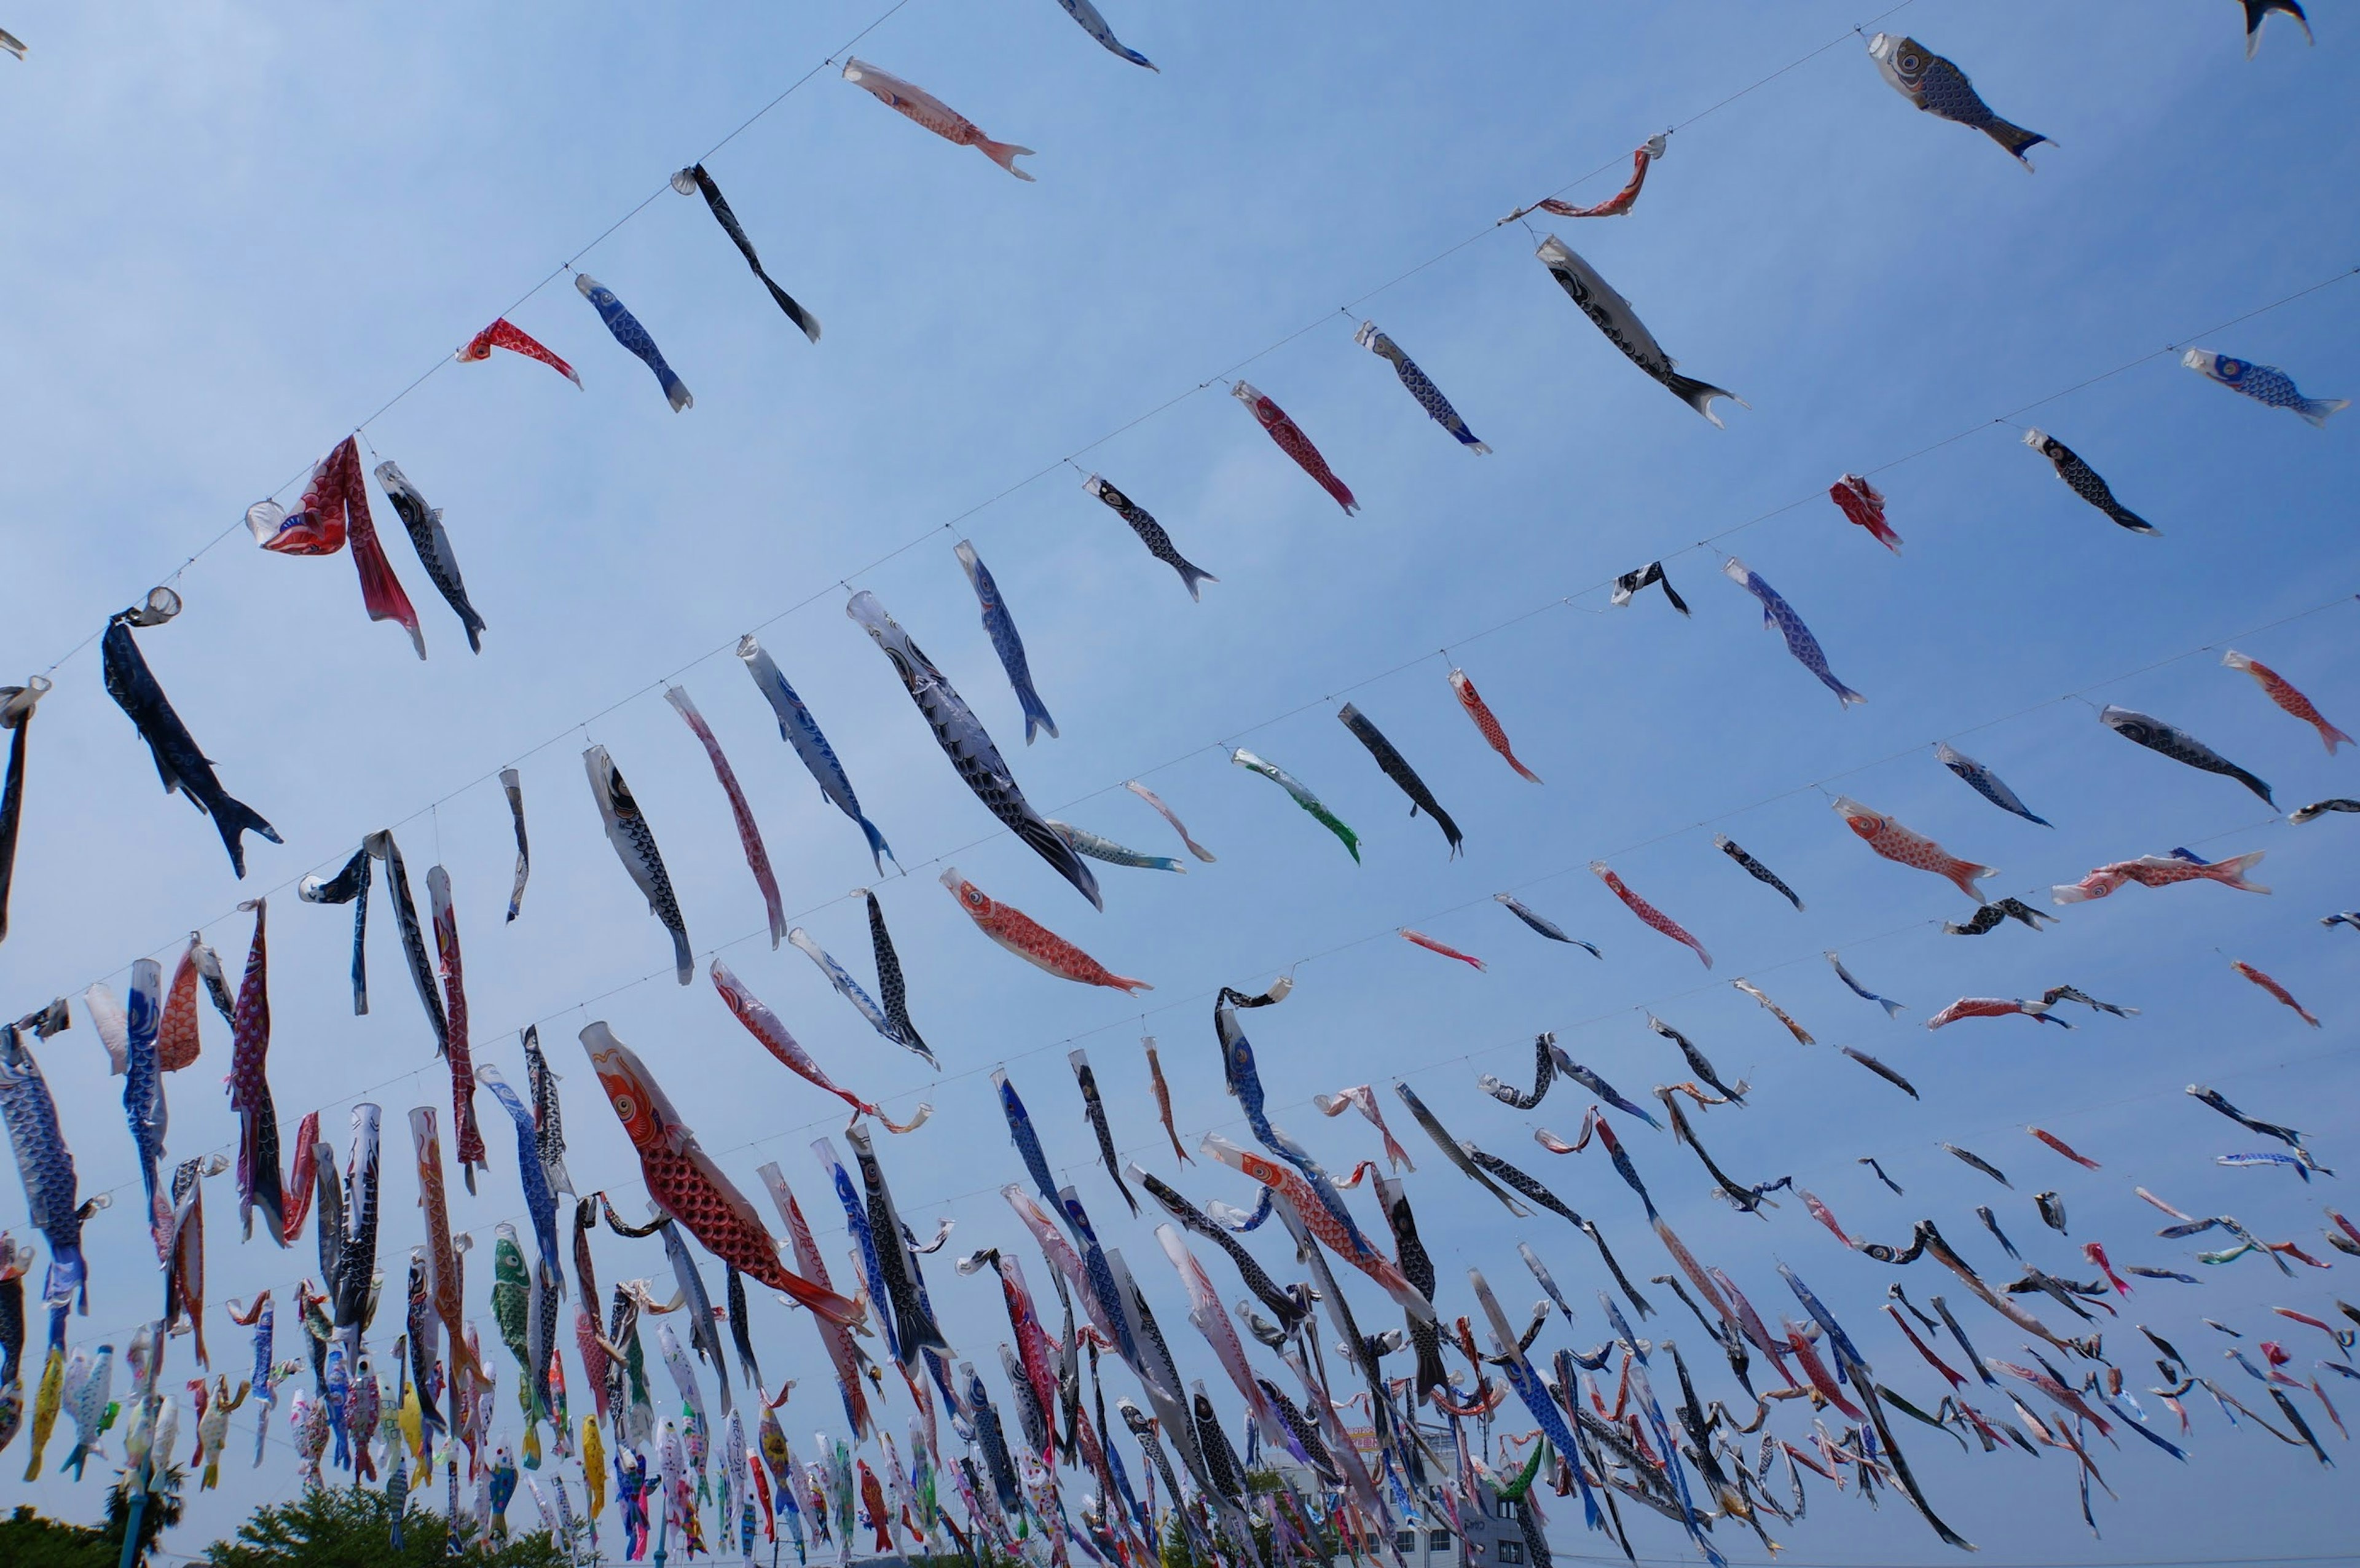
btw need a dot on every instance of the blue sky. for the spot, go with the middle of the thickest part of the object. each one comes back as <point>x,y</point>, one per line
<point>234,234</point>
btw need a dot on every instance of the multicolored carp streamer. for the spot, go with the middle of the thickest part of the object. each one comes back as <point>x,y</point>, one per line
<point>634,847</point>
<point>1615,206</point>
<point>512,784</point>
<point>1546,927</point>
<point>1087,17</point>
<point>1754,868</point>
<point>1611,315</point>
<point>47,1169</point>
<point>1779,615</point>
<point>334,510</point>
<point>2169,740</point>
<point>1302,797</point>
<point>1427,942</point>
<point>1414,380</point>
<point>503,334</point>
<point>749,835</point>
<point>2285,996</point>
<point>684,1180</point>
<point>1242,1077</point>
<point>1001,628</point>
<point>1984,782</point>
<point>2265,384</point>
<point>2162,871</point>
<point>1099,847</point>
<point>2282,691</point>
<point>917,104</point>
<point>1903,847</point>
<point>1361,1097</point>
<point>2084,482</point>
<point>1892,1008</point>
<point>800,730</point>
<point>1289,438</point>
<point>1031,940</point>
<point>1940,89</point>
<point>971,752</point>
<point>1041,1479</point>
<point>1863,505</point>
<point>1648,914</point>
<point>1802,1036</point>
<point>423,523</point>
<point>626,330</point>
<point>1994,1008</point>
<point>1151,534</point>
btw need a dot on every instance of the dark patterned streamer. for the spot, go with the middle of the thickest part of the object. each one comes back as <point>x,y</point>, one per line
<point>695,178</point>
<point>1649,575</point>
<point>1283,1305</point>
<point>1988,917</point>
<point>1397,768</point>
<point>891,990</point>
<point>16,703</point>
<point>513,783</point>
<point>1755,869</point>
<point>180,763</point>
<point>349,886</point>
<point>970,748</point>
<point>1093,1108</point>
<point>1151,534</point>
<point>1543,1074</point>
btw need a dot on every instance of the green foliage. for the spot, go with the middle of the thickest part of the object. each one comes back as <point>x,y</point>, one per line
<point>350,1526</point>
<point>1173,1548</point>
<point>159,1513</point>
<point>29,1540</point>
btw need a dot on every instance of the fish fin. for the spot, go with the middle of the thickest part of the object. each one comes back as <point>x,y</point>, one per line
<point>1699,395</point>
<point>2331,735</point>
<point>683,963</point>
<point>234,818</point>
<point>1191,576</point>
<point>877,848</point>
<point>676,393</point>
<point>802,317</point>
<point>2315,409</point>
<point>1005,153</point>
<point>2015,138</point>
<point>1125,983</point>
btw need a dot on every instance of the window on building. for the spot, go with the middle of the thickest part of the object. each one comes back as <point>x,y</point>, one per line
<point>1509,1508</point>
<point>1509,1551</point>
<point>1406,1540</point>
<point>1437,1541</point>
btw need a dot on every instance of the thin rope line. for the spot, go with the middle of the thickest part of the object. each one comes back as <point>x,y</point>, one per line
<point>546,279</point>
<point>558,271</point>
<point>1373,935</point>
